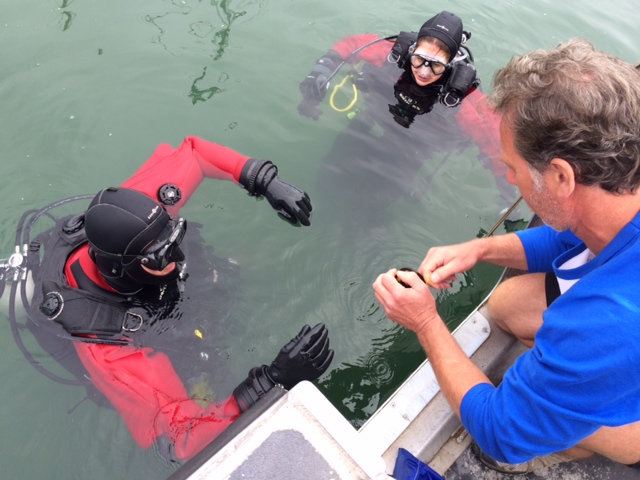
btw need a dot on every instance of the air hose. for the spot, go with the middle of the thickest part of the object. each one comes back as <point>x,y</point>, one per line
<point>341,84</point>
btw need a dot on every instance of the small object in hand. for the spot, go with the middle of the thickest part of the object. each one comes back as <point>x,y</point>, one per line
<point>405,269</point>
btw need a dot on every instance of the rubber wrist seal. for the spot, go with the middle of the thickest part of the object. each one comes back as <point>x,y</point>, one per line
<point>256,176</point>
<point>254,387</point>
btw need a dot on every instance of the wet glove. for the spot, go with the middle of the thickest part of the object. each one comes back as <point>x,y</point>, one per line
<point>260,178</point>
<point>315,85</point>
<point>309,109</point>
<point>305,357</point>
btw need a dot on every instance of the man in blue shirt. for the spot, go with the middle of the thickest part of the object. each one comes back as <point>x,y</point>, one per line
<point>570,138</point>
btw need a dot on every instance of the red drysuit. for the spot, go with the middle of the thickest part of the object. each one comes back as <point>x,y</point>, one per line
<point>140,383</point>
<point>474,116</point>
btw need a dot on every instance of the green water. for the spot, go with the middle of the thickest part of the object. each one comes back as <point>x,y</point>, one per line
<point>89,88</point>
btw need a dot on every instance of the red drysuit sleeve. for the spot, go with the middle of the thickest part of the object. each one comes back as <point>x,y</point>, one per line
<point>146,391</point>
<point>185,167</point>
<point>375,54</point>
<point>480,122</point>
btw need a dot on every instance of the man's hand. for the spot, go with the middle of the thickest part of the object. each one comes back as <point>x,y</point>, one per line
<point>442,264</point>
<point>412,307</point>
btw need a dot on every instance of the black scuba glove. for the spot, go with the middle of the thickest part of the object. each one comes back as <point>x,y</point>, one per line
<point>260,178</point>
<point>315,85</point>
<point>305,357</point>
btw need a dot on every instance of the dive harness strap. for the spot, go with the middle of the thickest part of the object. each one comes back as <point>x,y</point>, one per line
<point>87,317</point>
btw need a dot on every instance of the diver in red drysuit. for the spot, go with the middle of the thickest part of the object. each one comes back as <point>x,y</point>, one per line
<point>420,98</point>
<point>133,247</point>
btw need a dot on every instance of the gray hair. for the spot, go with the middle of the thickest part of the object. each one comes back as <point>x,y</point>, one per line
<point>578,104</point>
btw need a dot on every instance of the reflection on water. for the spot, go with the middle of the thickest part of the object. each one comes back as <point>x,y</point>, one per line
<point>204,33</point>
<point>227,16</point>
<point>198,94</point>
<point>66,16</point>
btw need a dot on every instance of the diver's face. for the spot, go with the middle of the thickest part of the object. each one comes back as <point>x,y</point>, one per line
<point>160,257</point>
<point>424,74</point>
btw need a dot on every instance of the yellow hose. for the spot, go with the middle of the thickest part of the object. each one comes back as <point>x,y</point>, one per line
<point>335,90</point>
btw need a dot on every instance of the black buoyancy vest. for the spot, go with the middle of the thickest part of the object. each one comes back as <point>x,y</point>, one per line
<point>92,314</point>
<point>74,313</point>
<point>185,323</point>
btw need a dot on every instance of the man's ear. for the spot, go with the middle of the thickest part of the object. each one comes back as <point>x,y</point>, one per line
<point>561,178</point>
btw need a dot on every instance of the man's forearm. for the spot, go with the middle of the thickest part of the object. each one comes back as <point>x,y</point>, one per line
<point>504,250</point>
<point>455,372</point>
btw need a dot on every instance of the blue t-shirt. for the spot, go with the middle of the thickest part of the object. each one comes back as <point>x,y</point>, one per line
<point>584,370</point>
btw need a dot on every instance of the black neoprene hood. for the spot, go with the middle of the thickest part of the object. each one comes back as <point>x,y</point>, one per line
<point>445,26</point>
<point>122,221</point>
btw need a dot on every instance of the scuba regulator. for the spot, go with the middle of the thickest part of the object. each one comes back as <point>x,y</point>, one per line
<point>14,268</point>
